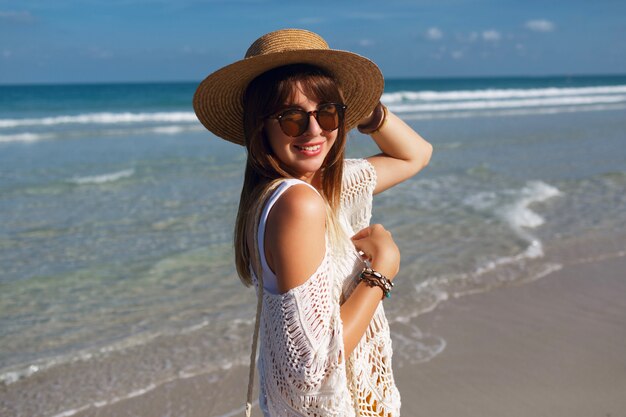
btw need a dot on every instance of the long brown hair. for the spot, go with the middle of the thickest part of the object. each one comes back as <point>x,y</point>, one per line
<point>264,96</point>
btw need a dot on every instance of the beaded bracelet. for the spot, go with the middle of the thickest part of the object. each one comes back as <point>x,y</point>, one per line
<point>376,279</point>
<point>376,122</point>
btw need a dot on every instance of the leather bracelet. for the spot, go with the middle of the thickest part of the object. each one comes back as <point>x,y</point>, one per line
<point>376,279</point>
<point>376,122</point>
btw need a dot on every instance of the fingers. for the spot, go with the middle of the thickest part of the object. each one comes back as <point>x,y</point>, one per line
<point>376,244</point>
<point>371,240</point>
<point>370,231</point>
<point>361,234</point>
<point>365,256</point>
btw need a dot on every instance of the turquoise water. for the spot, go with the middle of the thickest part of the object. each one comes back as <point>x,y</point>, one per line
<point>117,209</point>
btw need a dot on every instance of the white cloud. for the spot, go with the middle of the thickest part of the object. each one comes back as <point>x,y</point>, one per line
<point>7,53</point>
<point>457,54</point>
<point>434,34</point>
<point>366,42</point>
<point>16,16</point>
<point>491,35</point>
<point>540,25</point>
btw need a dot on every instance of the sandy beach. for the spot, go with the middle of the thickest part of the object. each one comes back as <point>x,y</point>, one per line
<point>554,347</point>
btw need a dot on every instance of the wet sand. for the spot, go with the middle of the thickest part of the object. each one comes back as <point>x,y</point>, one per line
<point>554,347</point>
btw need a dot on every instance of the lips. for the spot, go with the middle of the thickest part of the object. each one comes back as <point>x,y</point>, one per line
<point>309,148</point>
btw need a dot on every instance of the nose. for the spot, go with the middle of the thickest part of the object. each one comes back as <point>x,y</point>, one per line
<point>313,129</point>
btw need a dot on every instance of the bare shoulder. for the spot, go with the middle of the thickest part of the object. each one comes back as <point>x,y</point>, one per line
<point>298,201</point>
<point>295,235</point>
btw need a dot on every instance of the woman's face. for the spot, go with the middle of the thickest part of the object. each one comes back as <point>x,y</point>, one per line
<point>303,155</point>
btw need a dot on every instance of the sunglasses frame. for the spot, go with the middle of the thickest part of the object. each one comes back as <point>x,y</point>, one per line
<point>341,109</point>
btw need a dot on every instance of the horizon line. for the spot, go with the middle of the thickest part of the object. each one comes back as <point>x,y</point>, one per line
<point>399,78</point>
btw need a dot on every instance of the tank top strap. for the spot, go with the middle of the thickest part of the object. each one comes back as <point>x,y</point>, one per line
<point>270,283</point>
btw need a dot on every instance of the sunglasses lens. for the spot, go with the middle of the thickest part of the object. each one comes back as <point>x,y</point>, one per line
<point>328,117</point>
<point>294,123</point>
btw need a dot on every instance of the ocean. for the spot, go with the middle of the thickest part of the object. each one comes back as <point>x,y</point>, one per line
<point>117,208</point>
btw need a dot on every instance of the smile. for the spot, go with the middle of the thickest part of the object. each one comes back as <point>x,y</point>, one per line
<point>312,148</point>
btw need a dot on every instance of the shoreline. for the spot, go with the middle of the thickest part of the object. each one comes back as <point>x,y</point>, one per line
<point>551,347</point>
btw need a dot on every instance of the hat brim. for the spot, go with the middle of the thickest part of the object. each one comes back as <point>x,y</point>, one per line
<point>218,101</point>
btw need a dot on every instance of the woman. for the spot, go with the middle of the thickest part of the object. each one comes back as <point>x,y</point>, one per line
<point>302,234</point>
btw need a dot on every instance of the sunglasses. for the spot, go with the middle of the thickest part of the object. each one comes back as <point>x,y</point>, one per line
<point>294,121</point>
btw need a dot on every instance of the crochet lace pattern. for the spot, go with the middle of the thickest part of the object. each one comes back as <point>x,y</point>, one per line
<point>301,363</point>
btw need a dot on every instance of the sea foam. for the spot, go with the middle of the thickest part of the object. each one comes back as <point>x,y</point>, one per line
<point>102,118</point>
<point>513,207</point>
<point>103,178</point>
<point>498,94</point>
<point>513,112</point>
<point>24,137</point>
<point>506,104</point>
<point>518,214</point>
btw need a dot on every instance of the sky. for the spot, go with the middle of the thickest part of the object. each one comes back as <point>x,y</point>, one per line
<point>66,41</point>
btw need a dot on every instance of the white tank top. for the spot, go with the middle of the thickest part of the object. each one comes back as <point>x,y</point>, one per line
<point>270,283</point>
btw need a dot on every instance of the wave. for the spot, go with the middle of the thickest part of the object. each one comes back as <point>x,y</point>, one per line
<point>99,404</point>
<point>102,118</point>
<point>25,137</point>
<point>17,372</point>
<point>513,112</point>
<point>81,365</point>
<point>104,178</point>
<point>518,214</point>
<point>421,105</point>
<point>411,346</point>
<point>491,94</point>
<point>430,293</point>
<point>159,130</point>
<point>506,104</point>
<point>402,102</point>
<point>513,207</point>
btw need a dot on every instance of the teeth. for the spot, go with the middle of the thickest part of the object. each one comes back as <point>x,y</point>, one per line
<point>309,148</point>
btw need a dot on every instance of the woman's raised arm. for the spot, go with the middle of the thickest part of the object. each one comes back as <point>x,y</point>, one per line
<point>403,153</point>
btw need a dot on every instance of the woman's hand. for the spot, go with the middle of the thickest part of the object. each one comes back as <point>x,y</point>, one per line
<point>357,311</point>
<point>379,248</point>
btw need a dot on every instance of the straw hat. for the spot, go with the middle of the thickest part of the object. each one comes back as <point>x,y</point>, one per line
<point>218,99</point>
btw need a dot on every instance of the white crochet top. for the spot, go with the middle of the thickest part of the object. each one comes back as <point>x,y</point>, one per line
<point>301,363</point>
